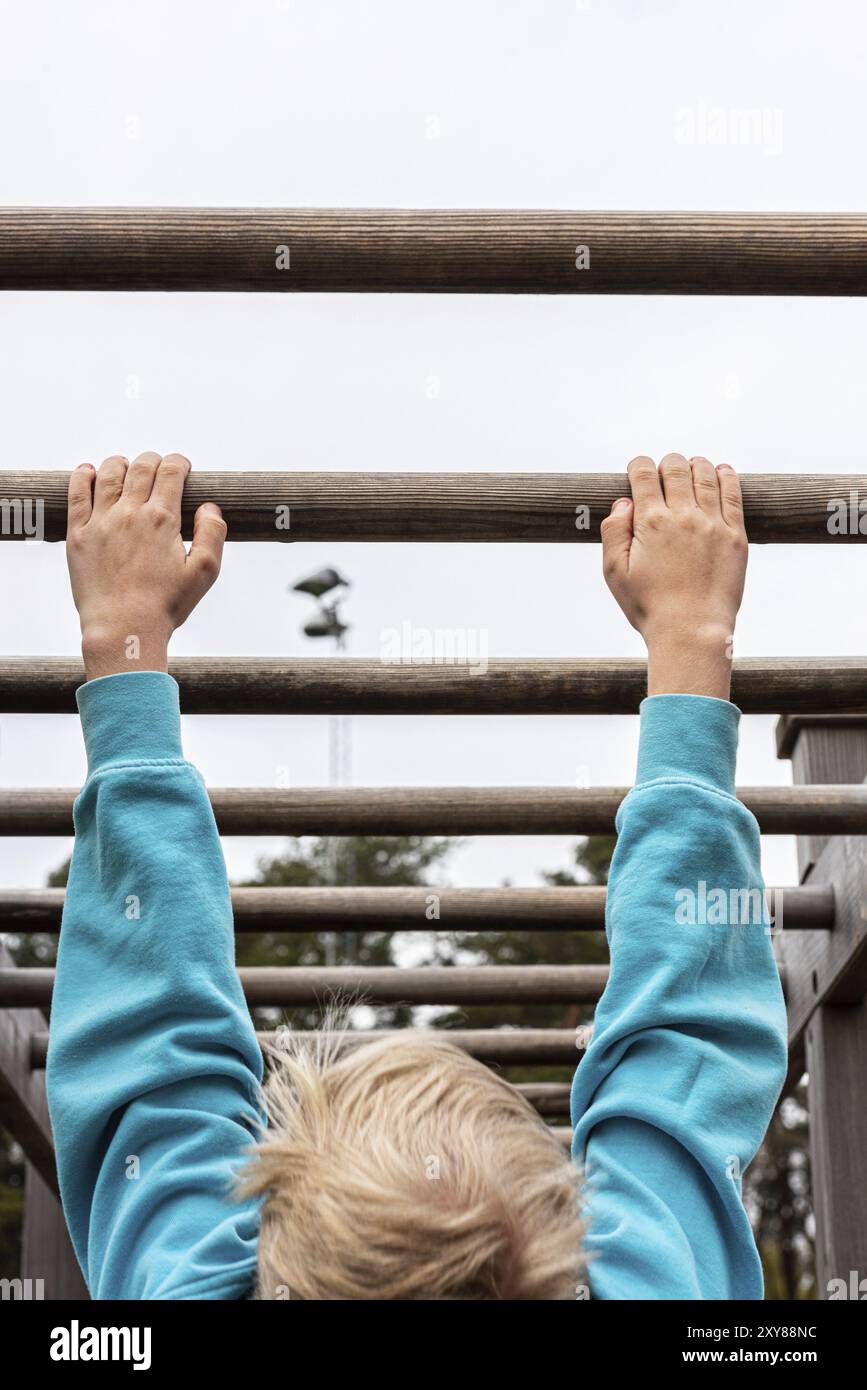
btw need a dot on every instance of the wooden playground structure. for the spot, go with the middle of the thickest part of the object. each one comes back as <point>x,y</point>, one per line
<point>822,945</point>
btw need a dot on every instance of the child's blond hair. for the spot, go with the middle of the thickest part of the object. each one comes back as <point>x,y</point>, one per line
<point>405,1169</point>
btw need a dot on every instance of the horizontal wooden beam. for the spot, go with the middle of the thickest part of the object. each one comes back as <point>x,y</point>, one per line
<point>494,1046</point>
<point>444,251</point>
<point>287,986</point>
<point>416,909</point>
<point>493,507</point>
<point>306,685</point>
<point>548,1097</point>
<point>832,810</point>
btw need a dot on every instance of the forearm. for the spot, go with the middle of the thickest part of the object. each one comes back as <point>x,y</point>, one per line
<point>153,1056</point>
<point>688,1052</point>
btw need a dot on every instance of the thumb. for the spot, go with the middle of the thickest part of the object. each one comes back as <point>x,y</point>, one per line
<point>80,497</point>
<point>616,532</point>
<point>206,552</point>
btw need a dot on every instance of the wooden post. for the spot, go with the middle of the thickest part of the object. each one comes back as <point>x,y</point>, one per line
<point>47,1256</point>
<point>827,995</point>
<point>46,1249</point>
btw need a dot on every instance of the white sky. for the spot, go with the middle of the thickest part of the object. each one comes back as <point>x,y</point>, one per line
<point>547,104</point>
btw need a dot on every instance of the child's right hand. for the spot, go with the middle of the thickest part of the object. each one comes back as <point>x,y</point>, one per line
<point>133,580</point>
<point>674,557</point>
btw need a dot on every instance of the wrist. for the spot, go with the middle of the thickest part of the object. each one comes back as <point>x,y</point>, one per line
<point>690,659</point>
<point>111,650</point>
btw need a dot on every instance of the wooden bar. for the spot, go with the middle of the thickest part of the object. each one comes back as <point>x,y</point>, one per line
<point>469,507</point>
<point>548,1097</point>
<point>494,1046</point>
<point>825,810</point>
<point>417,909</point>
<point>442,251</point>
<point>349,685</point>
<point>267,985</point>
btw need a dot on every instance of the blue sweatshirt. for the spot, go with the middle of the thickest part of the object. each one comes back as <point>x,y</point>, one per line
<point>154,1069</point>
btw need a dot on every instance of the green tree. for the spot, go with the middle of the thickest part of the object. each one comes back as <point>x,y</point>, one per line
<point>11,1206</point>
<point>777,1194</point>
<point>365,861</point>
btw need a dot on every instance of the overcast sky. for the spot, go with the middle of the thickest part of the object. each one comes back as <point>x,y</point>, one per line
<point>552,104</point>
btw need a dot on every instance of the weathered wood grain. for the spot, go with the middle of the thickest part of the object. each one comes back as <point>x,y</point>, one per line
<point>47,1252</point>
<point>568,508</point>
<point>461,250</point>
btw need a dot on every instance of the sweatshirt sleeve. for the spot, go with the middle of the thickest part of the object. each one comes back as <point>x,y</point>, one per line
<point>153,1066</point>
<point>688,1052</point>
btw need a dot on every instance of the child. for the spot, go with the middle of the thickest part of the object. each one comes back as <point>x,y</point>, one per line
<point>405,1170</point>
